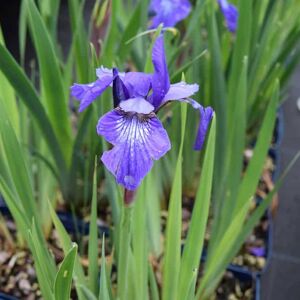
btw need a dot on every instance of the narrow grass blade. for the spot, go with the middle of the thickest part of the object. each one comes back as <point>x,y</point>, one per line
<point>113,34</point>
<point>16,165</point>
<point>130,31</point>
<point>93,269</point>
<point>195,239</point>
<point>52,83</point>
<point>154,292</point>
<point>87,294</point>
<point>229,247</point>
<point>171,264</point>
<point>63,280</point>
<point>253,172</point>
<point>28,95</point>
<point>124,252</point>
<point>49,11</point>
<point>22,31</point>
<point>81,39</point>
<point>66,245</point>
<point>234,160</point>
<point>104,290</point>
<point>8,98</point>
<point>45,285</point>
<point>140,244</point>
<point>11,200</point>
<point>213,267</point>
<point>152,198</point>
<point>241,50</point>
<point>219,100</point>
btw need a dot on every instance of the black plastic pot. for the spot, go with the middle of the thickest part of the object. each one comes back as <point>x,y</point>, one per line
<point>7,297</point>
<point>71,223</point>
<point>247,276</point>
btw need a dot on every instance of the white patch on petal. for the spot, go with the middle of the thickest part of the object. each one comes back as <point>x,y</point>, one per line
<point>181,90</point>
<point>138,105</point>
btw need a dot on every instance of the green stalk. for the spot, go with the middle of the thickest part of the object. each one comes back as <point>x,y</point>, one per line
<point>124,249</point>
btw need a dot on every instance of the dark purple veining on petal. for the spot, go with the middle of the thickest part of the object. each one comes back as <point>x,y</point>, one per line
<point>138,140</point>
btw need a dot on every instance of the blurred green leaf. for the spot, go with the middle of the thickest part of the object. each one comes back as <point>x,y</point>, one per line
<point>104,290</point>
<point>171,263</point>
<point>214,268</point>
<point>8,98</point>
<point>28,95</point>
<point>63,280</point>
<point>80,39</point>
<point>16,165</point>
<point>66,244</point>
<point>93,269</point>
<point>194,243</point>
<point>53,93</point>
<point>130,31</point>
<point>154,292</point>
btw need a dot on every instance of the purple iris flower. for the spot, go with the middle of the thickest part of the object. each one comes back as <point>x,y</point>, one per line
<point>132,127</point>
<point>230,13</point>
<point>168,12</point>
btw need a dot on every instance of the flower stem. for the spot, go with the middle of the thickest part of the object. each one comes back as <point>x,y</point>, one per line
<point>124,249</point>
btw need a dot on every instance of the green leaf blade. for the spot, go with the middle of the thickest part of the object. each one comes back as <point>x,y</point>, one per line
<point>63,280</point>
<point>171,264</point>
<point>51,80</point>
<point>195,239</point>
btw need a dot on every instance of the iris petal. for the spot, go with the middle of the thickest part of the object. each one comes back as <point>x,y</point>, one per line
<point>206,114</point>
<point>160,78</point>
<point>230,13</point>
<point>137,83</point>
<point>120,92</point>
<point>137,142</point>
<point>169,12</point>
<point>87,93</point>
<point>181,90</point>
<point>138,105</point>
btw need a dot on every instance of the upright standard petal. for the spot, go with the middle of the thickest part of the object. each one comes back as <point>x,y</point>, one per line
<point>230,13</point>
<point>137,139</point>
<point>168,12</point>
<point>160,78</point>
<point>138,84</point>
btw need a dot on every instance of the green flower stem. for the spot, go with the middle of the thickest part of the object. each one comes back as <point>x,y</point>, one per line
<point>124,249</point>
